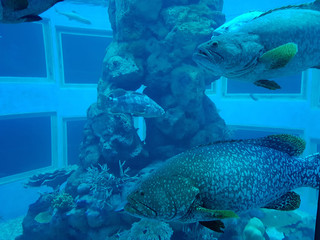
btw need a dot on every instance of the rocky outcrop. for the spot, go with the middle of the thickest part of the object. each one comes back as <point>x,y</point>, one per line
<point>153,45</point>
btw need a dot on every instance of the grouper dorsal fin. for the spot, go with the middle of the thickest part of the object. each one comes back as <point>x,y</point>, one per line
<point>312,6</point>
<point>288,202</point>
<point>292,145</point>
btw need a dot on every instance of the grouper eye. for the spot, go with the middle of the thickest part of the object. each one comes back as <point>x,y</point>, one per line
<point>214,44</point>
<point>141,193</point>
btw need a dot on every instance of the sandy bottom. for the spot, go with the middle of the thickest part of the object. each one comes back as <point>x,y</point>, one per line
<point>10,229</point>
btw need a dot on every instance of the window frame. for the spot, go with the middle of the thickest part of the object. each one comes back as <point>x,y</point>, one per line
<point>75,31</point>
<point>54,146</point>
<point>48,51</point>
<point>301,95</point>
<point>65,136</point>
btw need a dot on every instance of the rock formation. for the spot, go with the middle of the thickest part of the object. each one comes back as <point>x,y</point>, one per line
<point>153,43</point>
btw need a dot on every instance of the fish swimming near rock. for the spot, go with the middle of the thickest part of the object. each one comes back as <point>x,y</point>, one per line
<point>17,11</point>
<point>277,43</point>
<point>73,15</point>
<point>133,103</point>
<point>223,179</point>
<point>236,23</point>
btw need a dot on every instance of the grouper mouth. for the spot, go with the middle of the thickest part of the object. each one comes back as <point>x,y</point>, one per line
<point>206,58</point>
<point>209,54</point>
<point>139,209</point>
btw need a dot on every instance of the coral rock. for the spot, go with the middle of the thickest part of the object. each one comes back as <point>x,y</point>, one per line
<point>123,72</point>
<point>94,218</point>
<point>148,10</point>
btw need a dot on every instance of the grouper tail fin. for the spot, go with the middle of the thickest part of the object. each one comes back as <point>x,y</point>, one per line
<point>311,171</point>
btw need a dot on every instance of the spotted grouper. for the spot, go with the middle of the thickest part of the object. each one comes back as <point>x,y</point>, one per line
<point>277,43</point>
<point>221,180</point>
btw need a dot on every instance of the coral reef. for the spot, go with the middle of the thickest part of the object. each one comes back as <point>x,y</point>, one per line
<point>85,209</point>
<point>108,138</point>
<point>153,43</point>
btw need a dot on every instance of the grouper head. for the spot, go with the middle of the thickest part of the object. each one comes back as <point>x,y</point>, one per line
<point>230,54</point>
<point>162,198</point>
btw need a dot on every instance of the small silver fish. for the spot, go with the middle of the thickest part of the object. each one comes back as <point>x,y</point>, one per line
<point>17,11</point>
<point>74,16</point>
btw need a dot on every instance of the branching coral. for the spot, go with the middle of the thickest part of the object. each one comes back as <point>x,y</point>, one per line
<point>104,185</point>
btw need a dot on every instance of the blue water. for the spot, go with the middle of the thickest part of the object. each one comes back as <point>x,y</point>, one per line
<point>49,74</point>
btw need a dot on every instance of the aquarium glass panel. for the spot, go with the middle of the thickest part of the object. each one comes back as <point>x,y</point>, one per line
<point>22,51</point>
<point>83,57</point>
<point>74,138</point>
<point>25,144</point>
<point>289,85</point>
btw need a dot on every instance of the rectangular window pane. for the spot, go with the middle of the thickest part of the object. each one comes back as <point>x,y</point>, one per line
<point>22,51</point>
<point>83,57</point>
<point>74,138</point>
<point>289,85</point>
<point>25,144</point>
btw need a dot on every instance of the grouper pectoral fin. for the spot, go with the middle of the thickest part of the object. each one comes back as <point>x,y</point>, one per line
<point>272,85</point>
<point>31,18</point>
<point>279,56</point>
<point>215,225</point>
<point>288,202</point>
<point>206,213</point>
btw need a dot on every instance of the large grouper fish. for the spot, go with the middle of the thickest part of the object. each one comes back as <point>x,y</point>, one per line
<point>277,43</point>
<point>223,179</point>
<point>18,11</point>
